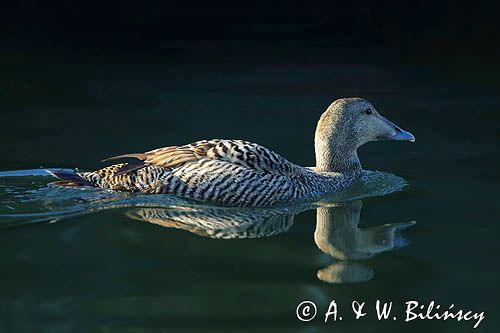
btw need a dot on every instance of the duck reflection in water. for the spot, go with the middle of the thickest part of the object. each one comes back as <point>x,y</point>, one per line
<point>337,233</point>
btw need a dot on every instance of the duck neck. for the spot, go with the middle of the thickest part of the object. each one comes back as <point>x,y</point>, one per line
<point>336,158</point>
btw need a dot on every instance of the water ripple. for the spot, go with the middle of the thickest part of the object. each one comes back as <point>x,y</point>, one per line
<point>26,198</point>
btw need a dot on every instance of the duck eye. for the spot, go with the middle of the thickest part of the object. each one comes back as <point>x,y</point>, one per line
<point>368,111</point>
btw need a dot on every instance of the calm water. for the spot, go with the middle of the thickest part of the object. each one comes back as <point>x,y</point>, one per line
<point>424,229</point>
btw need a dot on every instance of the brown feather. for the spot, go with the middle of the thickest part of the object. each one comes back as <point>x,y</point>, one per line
<point>170,157</point>
<point>139,156</point>
<point>238,152</point>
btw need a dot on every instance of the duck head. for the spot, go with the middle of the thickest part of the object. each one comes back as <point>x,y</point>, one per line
<point>346,125</point>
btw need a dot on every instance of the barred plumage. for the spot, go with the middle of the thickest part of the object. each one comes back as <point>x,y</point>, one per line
<point>242,173</point>
<point>217,181</point>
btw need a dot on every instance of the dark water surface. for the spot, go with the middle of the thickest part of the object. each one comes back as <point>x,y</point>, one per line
<point>98,261</point>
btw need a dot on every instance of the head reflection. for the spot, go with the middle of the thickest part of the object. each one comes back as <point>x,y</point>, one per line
<point>337,233</point>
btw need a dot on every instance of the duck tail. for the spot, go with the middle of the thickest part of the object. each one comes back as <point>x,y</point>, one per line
<point>69,178</point>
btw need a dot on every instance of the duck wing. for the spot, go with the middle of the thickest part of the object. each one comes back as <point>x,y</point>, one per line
<point>243,153</point>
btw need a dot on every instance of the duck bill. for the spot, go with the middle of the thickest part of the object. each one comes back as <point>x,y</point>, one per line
<point>403,136</point>
<point>397,133</point>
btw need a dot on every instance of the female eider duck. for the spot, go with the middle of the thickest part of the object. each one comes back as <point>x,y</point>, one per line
<point>241,173</point>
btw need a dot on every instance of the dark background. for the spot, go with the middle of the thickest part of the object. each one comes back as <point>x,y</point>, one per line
<point>100,27</point>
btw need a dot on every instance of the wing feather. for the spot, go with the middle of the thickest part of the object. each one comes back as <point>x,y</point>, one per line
<point>139,156</point>
<point>243,153</point>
